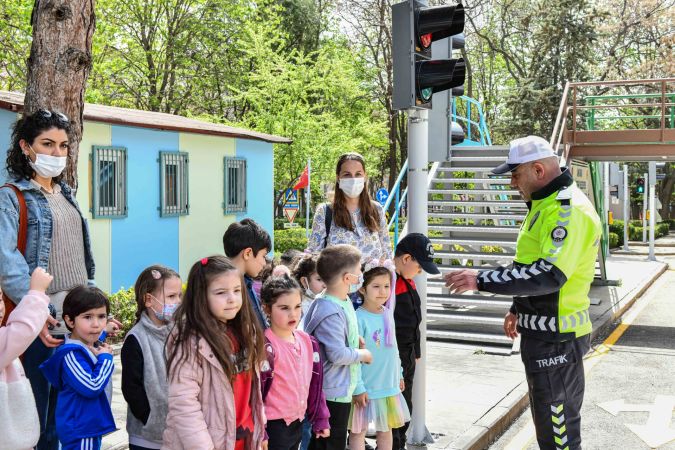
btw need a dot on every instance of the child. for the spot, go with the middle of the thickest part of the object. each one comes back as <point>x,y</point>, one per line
<point>247,244</point>
<point>158,292</point>
<point>383,381</point>
<point>80,370</point>
<point>295,384</point>
<point>305,273</point>
<point>332,321</point>
<point>414,253</point>
<point>20,425</point>
<point>214,354</point>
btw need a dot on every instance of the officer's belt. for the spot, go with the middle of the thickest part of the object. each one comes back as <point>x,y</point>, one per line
<point>536,322</point>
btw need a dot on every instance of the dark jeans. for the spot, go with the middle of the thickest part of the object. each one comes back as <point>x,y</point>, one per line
<point>555,380</point>
<point>138,447</point>
<point>339,418</point>
<point>306,434</point>
<point>407,355</point>
<point>45,396</point>
<point>282,436</point>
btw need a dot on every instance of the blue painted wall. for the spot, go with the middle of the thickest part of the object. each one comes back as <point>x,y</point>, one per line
<point>259,183</point>
<point>7,119</point>
<point>144,238</point>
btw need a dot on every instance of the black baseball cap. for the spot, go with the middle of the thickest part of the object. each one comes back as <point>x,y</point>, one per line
<point>419,247</point>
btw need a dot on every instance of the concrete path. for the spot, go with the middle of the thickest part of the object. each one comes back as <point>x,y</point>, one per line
<point>471,396</point>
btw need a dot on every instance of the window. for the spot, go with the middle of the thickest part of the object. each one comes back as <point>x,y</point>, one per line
<point>173,184</point>
<point>109,177</point>
<point>235,185</point>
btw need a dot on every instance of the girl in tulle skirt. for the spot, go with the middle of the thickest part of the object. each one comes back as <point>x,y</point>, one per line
<point>384,406</point>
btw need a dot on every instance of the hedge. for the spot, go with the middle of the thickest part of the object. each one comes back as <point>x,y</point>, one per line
<point>123,308</point>
<point>613,240</point>
<point>288,239</point>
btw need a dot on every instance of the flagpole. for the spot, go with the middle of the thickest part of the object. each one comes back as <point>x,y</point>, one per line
<point>308,192</point>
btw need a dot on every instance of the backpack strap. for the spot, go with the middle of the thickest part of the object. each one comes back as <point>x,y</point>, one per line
<point>20,242</point>
<point>328,220</point>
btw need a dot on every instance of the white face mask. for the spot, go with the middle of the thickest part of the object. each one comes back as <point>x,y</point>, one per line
<point>352,187</point>
<point>310,293</point>
<point>47,166</point>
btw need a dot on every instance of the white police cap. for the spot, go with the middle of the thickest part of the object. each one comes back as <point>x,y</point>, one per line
<point>524,150</point>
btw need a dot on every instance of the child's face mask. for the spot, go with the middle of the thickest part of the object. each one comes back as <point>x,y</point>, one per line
<point>167,311</point>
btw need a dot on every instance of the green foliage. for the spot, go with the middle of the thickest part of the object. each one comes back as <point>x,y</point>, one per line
<point>123,307</point>
<point>613,240</point>
<point>287,239</point>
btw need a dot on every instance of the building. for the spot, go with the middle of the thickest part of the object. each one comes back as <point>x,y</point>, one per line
<point>160,188</point>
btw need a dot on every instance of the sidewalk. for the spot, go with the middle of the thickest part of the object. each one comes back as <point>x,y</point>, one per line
<point>472,397</point>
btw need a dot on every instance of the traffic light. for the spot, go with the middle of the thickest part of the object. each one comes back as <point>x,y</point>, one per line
<point>416,76</point>
<point>640,188</point>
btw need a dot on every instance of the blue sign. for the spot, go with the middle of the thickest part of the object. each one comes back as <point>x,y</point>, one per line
<point>291,198</point>
<point>382,196</point>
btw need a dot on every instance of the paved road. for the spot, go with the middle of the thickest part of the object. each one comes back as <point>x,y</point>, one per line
<point>634,378</point>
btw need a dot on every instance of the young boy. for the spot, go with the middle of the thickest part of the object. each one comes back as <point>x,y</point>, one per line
<point>81,370</point>
<point>331,319</point>
<point>247,244</point>
<point>414,253</point>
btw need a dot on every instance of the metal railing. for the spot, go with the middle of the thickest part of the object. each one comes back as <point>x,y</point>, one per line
<point>591,109</point>
<point>398,197</point>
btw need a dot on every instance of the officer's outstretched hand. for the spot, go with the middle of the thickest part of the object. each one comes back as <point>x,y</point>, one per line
<point>462,280</point>
<point>510,322</point>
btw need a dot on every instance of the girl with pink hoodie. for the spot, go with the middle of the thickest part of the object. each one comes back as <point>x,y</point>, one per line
<point>18,414</point>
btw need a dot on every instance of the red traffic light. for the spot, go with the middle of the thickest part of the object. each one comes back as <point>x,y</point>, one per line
<point>436,23</point>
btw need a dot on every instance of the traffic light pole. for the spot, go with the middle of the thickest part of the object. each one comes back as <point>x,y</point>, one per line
<point>652,209</point>
<point>626,207</point>
<point>418,188</point>
<point>644,212</point>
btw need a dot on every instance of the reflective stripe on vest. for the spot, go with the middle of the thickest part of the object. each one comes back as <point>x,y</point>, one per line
<point>536,322</point>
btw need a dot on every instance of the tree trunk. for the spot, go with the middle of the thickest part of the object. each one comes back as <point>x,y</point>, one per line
<point>59,65</point>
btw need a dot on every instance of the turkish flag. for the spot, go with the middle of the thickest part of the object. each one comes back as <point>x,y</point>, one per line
<point>303,182</point>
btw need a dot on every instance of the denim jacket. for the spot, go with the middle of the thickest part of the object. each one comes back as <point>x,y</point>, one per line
<point>15,269</point>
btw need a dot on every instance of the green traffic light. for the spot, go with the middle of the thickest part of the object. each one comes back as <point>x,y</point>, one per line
<point>426,94</point>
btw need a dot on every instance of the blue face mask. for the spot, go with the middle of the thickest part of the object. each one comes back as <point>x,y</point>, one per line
<point>355,287</point>
<point>166,314</point>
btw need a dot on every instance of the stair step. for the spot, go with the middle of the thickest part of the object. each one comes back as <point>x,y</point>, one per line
<point>482,256</point>
<point>477,203</point>
<point>470,191</point>
<point>480,159</point>
<point>477,300</point>
<point>435,314</point>
<point>477,216</point>
<point>471,337</point>
<point>472,180</point>
<point>472,242</point>
<point>465,169</point>
<point>475,229</point>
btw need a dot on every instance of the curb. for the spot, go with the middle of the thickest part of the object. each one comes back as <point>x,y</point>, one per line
<point>488,428</point>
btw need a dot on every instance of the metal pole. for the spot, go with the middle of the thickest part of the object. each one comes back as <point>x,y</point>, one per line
<point>418,158</point>
<point>605,185</point>
<point>644,209</point>
<point>308,193</point>
<point>626,207</point>
<point>652,209</point>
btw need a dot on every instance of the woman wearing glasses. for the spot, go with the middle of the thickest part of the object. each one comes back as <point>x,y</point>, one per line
<point>57,238</point>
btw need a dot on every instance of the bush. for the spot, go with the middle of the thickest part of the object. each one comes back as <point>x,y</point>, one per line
<point>662,229</point>
<point>288,239</point>
<point>123,307</point>
<point>613,240</point>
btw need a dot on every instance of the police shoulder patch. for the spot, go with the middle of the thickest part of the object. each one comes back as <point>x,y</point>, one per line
<point>559,233</point>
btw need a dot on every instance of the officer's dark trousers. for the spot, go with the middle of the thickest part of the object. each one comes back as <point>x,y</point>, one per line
<point>555,377</point>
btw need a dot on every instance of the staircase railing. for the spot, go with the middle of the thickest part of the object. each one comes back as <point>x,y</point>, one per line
<point>398,197</point>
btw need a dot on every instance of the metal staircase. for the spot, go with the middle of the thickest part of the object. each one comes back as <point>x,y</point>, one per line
<point>474,220</point>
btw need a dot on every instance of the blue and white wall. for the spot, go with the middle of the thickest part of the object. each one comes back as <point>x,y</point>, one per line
<point>123,247</point>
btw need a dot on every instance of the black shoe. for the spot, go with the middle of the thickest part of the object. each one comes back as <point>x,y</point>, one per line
<point>369,447</point>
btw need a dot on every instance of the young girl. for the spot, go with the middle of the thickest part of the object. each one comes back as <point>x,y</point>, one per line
<point>21,428</point>
<point>295,382</point>
<point>383,381</point>
<point>332,321</point>
<point>305,273</point>
<point>214,354</point>
<point>158,292</point>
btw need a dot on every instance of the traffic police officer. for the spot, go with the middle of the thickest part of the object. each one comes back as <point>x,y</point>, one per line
<point>549,281</point>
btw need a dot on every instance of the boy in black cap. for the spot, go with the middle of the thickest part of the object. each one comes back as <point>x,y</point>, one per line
<point>414,253</point>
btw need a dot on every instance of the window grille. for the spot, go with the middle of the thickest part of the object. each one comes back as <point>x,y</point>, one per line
<point>109,177</point>
<point>235,185</point>
<point>173,184</point>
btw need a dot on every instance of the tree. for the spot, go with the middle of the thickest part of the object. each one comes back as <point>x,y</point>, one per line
<point>59,64</point>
